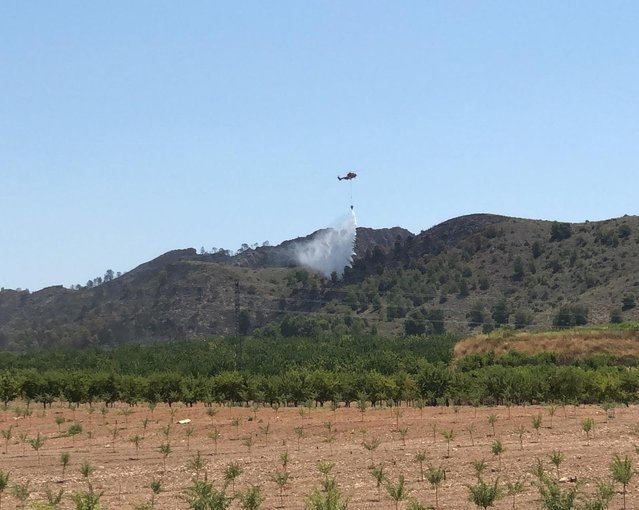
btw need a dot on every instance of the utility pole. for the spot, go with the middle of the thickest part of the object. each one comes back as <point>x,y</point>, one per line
<point>237,308</point>
<point>238,354</point>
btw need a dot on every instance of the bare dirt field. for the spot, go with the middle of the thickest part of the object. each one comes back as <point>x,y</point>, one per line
<point>125,475</point>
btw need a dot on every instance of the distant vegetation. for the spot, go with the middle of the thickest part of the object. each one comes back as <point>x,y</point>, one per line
<point>328,368</point>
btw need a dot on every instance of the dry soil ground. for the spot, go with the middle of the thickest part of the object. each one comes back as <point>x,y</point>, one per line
<point>124,476</point>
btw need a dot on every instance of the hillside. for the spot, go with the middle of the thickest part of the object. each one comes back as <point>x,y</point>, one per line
<point>476,271</point>
<point>486,270</point>
<point>177,295</point>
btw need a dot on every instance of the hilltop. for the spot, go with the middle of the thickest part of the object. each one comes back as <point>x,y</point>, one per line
<point>476,271</point>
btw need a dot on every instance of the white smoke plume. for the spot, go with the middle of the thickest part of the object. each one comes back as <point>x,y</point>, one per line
<point>331,249</point>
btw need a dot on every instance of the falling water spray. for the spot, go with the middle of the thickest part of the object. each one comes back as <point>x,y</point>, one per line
<point>331,249</point>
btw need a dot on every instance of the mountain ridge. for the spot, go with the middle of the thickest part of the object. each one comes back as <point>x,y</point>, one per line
<point>472,261</point>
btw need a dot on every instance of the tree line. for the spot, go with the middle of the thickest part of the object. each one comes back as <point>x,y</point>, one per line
<point>266,355</point>
<point>328,368</point>
<point>428,384</point>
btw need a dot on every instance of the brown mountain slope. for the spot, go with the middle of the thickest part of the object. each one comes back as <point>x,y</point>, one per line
<point>463,267</point>
<point>175,295</point>
<point>475,262</point>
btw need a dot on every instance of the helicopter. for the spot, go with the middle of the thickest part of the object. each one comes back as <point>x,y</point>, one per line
<point>348,177</point>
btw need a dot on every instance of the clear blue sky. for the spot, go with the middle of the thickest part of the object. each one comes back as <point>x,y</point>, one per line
<point>131,128</point>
